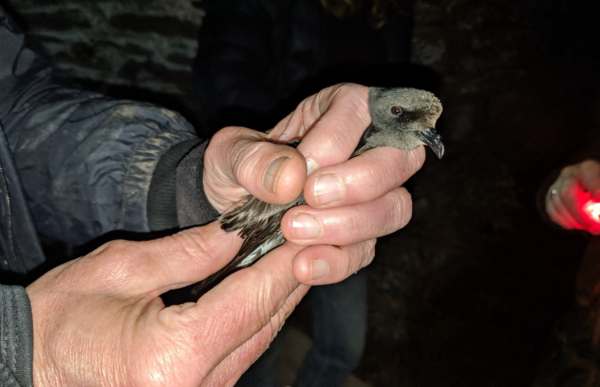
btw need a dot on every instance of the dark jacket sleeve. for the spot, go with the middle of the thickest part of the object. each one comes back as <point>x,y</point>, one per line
<point>16,343</point>
<point>86,162</point>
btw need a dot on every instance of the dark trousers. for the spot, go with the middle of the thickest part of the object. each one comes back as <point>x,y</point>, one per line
<point>339,325</point>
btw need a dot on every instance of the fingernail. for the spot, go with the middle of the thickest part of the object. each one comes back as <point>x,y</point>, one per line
<point>328,188</point>
<point>305,226</point>
<point>318,269</point>
<point>311,166</point>
<point>270,179</point>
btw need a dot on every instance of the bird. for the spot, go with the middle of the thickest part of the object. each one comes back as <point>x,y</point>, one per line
<point>402,118</point>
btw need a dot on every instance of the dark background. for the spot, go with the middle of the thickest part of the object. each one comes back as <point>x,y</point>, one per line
<point>470,292</point>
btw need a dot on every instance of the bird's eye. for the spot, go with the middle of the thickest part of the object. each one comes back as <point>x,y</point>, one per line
<point>396,110</point>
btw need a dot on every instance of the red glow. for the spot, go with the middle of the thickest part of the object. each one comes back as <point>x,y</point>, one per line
<point>592,210</point>
<point>589,209</point>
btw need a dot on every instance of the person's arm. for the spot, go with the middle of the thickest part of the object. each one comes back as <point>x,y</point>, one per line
<point>16,346</point>
<point>99,320</point>
<point>90,164</point>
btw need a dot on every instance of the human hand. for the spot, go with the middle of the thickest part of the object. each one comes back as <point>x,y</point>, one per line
<point>565,200</point>
<point>99,320</point>
<point>350,202</point>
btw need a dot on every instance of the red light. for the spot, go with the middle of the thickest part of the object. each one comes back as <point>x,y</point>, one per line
<point>592,209</point>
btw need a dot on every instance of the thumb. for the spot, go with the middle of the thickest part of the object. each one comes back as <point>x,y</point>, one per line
<point>174,261</point>
<point>241,161</point>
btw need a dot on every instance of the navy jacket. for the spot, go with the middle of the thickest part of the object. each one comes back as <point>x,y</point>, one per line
<point>75,165</point>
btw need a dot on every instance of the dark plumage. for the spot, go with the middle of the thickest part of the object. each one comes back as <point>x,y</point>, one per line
<point>401,118</point>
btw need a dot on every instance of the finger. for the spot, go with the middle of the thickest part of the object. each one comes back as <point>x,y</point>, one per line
<point>568,202</point>
<point>350,224</point>
<point>296,124</point>
<point>549,206</point>
<point>245,161</point>
<point>560,214</point>
<point>228,371</point>
<point>564,196</point>
<point>168,263</point>
<point>362,178</point>
<point>324,264</point>
<point>243,303</point>
<point>590,177</point>
<point>334,137</point>
<point>330,124</point>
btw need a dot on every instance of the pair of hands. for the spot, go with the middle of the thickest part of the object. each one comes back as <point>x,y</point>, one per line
<point>99,320</point>
<point>566,198</point>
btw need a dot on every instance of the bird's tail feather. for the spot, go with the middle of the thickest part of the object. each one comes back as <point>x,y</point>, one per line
<point>243,259</point>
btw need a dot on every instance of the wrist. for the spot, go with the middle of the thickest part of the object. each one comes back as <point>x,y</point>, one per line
<point>43,374</point>
<point>68,349</point>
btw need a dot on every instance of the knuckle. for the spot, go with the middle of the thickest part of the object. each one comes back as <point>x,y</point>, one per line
<point>113,263</point>
<point>245,150</point>
<point>348,90</point>
<point>344,90</point>
<point>226,133</point>
<point>369,252</point>
<point>259,306</point>
<point>353,95</point>
<point>415,160</point>
<point>590,166</point>
<point>356,222</point>
<point>233,141</point>
<point>567,171</point>
<point>112,252</point>
<point>117,244</point>
<point>221,140</point>
<point>323,99</point>
<point>567,186</point>
<point>364,253</point>
<point>308,108</point>
<point>353,263</point>
<point>338,140</point>
<point>247,158</point>
<point>401,209</point>
<point>374,173</point>
<point>370,246</point>
<point>587,163</point>
<point>386,168</point>
<point>195,247</point>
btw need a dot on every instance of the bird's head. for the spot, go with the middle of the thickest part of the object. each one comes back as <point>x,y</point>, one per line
<point>404,118</point>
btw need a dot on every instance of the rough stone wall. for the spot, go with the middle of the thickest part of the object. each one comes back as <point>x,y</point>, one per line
<point>146,44</point>
<point>519,73</point>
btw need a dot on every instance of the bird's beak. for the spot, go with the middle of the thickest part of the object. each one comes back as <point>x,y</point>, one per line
<point>433,140</point>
